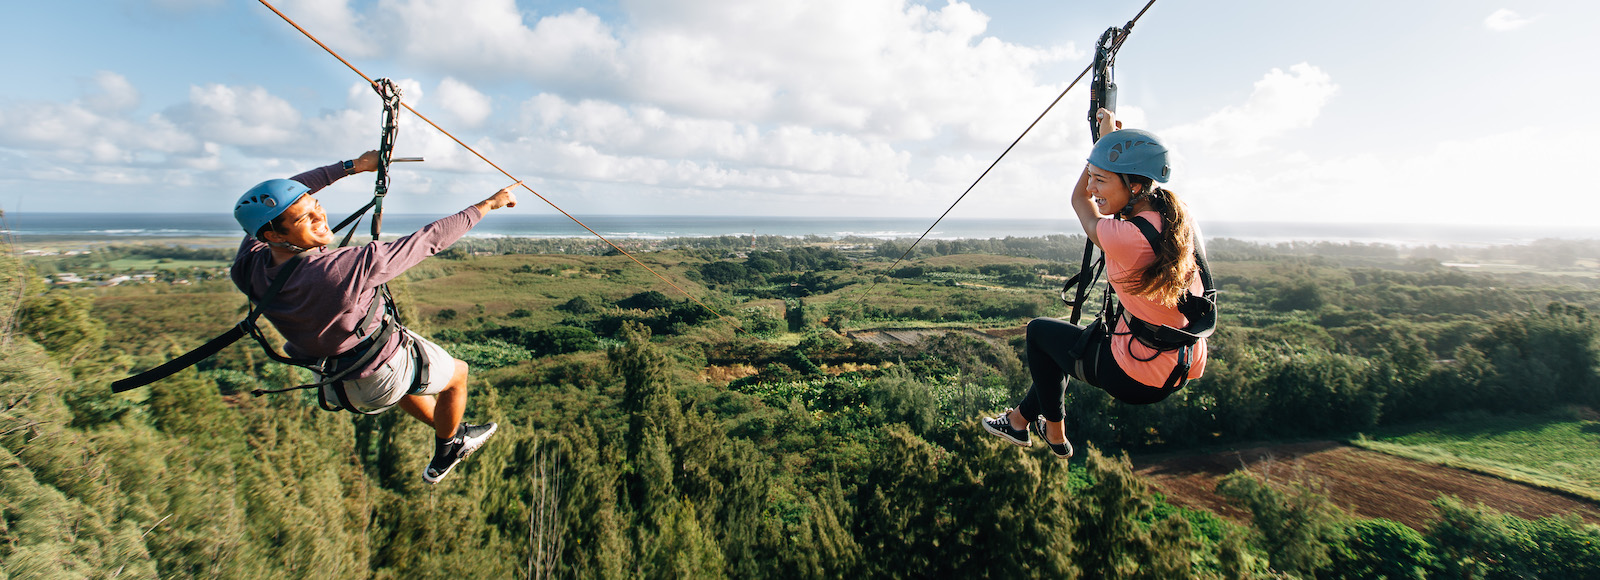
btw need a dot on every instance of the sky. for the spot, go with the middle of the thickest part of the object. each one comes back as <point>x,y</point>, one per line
<point>1416,112</point>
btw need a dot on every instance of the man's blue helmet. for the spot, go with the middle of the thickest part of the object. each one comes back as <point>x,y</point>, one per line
<point>1132,151</point>
<point>265,202</point>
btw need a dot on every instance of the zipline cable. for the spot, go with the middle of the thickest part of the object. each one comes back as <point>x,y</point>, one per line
<point>1127,28</point>
<point>285,17</point>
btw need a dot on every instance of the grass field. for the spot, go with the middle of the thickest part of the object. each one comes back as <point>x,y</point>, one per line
<point>143,265</point>
<point>1558,451</point>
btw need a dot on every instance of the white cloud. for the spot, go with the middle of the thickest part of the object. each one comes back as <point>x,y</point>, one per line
<point>1505,19</point>
<point>243,116</point>
<point>111,93</point>
<point>492,39</point>
<point>1281,102</point>
<point>465,103</point>
<point>887,68</point>
<point>646,132</point>
<point>334,23</point>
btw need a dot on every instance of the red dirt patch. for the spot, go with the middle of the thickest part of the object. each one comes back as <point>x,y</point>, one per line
<point>1366,483</point>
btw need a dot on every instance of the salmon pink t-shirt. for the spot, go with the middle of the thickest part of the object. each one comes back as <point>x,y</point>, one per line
<point>1126,250</point>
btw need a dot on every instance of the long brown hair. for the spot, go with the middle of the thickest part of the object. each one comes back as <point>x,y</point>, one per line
<point>1166,279</point>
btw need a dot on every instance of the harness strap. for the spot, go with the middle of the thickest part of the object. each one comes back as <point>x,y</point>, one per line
<point>421,364</point>
<point>214,345</point>
<point>1080,349</point>
<point>1167,338</point>
<point>1088,274</point>
<point>333,373</point>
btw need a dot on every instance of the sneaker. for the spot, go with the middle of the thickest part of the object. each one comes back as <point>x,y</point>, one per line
<point>1001,427</point>
<point>448,452</point>
<point>1062,449</point>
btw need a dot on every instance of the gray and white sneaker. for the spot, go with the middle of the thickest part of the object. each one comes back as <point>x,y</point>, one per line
<point>448,452</point>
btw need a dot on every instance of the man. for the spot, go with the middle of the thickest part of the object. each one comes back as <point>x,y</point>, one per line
<point>330,291</point>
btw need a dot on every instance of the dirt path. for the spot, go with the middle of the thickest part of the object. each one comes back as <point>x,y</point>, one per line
<point>1366,483</point>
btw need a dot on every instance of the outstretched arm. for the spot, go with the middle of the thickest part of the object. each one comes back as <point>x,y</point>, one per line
<point>384,261</point>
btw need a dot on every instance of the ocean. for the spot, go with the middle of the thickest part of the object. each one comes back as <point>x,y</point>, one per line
<point>28,227</point>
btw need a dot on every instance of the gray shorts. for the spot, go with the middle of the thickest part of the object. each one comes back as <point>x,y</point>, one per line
<point>385,386</point>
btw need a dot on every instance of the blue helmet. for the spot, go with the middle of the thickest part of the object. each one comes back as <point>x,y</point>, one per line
<point>1132,151</point>
<point>265,202</point>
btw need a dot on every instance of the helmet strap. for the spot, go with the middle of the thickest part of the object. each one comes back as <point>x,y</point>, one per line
<point>287,246</point>
<point>1127,209</point>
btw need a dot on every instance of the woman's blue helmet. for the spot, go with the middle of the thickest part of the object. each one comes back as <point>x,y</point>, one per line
<point>265,202</point>
<point>1132,151</point>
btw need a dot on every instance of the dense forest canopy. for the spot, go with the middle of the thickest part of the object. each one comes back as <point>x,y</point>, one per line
<point>643,435</point>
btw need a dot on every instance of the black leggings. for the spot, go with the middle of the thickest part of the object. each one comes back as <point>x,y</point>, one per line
<point>1050,359</point>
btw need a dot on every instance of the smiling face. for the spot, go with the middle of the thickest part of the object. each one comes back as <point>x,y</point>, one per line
<point>303,224</point>
<point>1109,191</point>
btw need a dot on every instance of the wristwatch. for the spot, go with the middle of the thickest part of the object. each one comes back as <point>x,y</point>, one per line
<point>349,166</point>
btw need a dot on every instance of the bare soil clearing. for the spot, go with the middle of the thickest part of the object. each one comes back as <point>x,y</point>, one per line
<point>1366,483</point>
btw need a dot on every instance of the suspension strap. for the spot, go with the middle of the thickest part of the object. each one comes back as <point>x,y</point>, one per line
<point>211,347</point>
<point>391,130</point>
<point>1102,86</point>
<point>1088,275</point>
<point>1102,94</point>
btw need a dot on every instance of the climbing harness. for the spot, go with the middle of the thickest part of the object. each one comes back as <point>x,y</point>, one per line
<point>1200,310</point>
<point>333,369</point>
<point>1114,43</point>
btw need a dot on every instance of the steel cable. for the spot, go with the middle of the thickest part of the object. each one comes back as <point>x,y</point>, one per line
<point>1126,29</point>
<point>475,152</point>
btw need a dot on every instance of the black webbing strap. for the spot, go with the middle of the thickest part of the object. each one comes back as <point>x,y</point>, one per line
<point>421,364</point>
<point>1088,274</point>
<point>214,345</point>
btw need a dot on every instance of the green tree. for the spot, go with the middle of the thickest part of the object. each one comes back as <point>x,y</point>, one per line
<point>1297,528</point>
<point>61,322</point>
<point>1112,538</point>
<point>1380,548</point>
<point>902,399</point>
<point>795,314</point>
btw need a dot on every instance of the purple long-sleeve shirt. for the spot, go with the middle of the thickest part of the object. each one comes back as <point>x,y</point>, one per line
<point>319,307</point>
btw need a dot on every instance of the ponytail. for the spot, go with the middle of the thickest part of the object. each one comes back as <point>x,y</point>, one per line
<point>1168,277</point>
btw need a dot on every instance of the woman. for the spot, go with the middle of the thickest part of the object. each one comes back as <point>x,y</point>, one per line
<point>1150,280</point>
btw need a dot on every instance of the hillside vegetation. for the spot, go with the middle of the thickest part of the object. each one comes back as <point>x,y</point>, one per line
<point>644,435</point>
